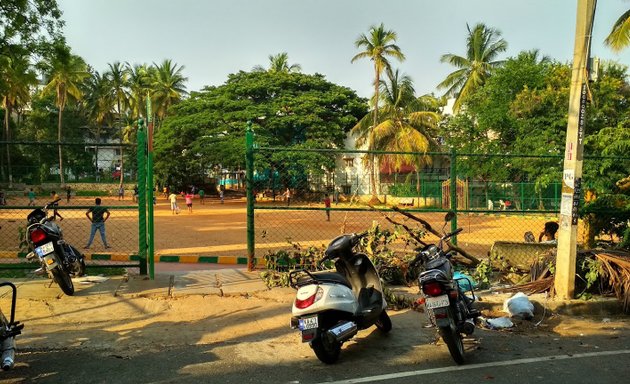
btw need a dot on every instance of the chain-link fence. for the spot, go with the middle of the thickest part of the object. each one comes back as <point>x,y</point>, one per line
<point>308,197</point>
<point>30,178</point>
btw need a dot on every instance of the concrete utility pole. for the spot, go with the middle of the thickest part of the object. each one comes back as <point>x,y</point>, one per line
<point>572,175</point>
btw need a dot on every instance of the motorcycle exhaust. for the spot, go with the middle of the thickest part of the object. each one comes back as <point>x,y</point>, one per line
<point>8,353</point>
<point>467,327</point>
<point>343,331</point>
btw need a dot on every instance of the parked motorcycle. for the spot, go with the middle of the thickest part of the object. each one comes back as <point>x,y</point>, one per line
<point>331,307</point>
<point>9,329</point>
<point>58,258</point>
<point>446,302</point>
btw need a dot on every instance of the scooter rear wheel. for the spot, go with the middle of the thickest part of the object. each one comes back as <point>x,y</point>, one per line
<point>63,279</point>
<point>326,350</point>
<point>384,323</point>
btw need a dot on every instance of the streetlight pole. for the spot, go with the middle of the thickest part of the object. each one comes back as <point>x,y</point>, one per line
<point>572,174</point>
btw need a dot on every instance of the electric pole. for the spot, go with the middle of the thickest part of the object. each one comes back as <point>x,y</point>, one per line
<point>574,153</point>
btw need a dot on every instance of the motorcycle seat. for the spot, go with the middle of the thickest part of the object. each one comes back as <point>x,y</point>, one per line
<point>324,277</point>
<point>436,274</point>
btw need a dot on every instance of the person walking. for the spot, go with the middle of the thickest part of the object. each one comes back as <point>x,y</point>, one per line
<point>121,192</point>
<point>327,207</point>
<point>202,195</point>
<point>55,205</point>
<point>189,198</point>
<point>173,199</point>
<point>31,198</point>
<point>97,215</point>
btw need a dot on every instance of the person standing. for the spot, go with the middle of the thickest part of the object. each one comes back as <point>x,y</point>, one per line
<point>97,215</point>
<point>68,194</point>
<point>31,197</point>
<point>202,195</point>
<point>135,194</point>
<point>287,195</point>
<point>55,205</point>
<point>327,207</point>
<point>221,194</point>
<point>121,192</point>
<point>189,198</point>
<point>173,199</point>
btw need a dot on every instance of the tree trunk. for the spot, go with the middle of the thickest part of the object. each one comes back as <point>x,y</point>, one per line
<point>122,168</point>
<point>61,178</point>
<point>7,120</point>
<point>373,159</point>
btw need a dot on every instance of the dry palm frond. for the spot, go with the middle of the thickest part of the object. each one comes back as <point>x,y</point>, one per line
<point>616,270</point>
<point>538,286</point>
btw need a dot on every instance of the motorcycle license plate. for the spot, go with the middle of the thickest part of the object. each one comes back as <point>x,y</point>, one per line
<point>307,323</point>
<point>45,249</point>
<point>436,302</point>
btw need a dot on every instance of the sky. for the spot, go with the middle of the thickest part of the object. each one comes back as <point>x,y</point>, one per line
<point>213,38</point>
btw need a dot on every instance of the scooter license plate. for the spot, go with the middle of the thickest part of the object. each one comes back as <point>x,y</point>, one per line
<point>45,249</point>
<point>308,323</point>
<point>436,302</point>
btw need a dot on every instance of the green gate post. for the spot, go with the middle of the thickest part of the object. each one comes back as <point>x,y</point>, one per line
<point>142,202</point>
<point>150,227</point>
<point>454,192</point>
<point>249,179</point>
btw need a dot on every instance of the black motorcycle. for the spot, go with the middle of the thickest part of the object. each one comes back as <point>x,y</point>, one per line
<point>446,302</point>
<point>57,258</point>
<point>9,328</point>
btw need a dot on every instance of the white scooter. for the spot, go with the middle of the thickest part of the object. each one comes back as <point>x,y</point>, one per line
<point>330,307</point>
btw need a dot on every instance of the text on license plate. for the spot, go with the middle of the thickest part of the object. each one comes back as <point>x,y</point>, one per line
<point>436,302</point>
<point>44,249</point>
<point>307,323</point>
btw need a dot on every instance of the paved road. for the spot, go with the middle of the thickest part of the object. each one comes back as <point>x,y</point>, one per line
<point>100,337</point>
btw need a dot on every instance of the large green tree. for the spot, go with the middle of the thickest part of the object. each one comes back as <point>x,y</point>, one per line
<point>65,73</point>
<point>167,87</point>
<point>287,109</point>
<point>483,46</point>
<point>378,45</point>
<point>280,63</point>
<point>18,77</point>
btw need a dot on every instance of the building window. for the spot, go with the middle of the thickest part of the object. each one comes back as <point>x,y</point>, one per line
<point>349,162</point>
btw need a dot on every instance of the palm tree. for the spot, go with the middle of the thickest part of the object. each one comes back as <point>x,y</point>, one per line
<point>619,37</point>
<point>378,45</point>
<point>117,76</point>
<point>403,126</point>
<point>139,82</point>
<point>17,78</point>
<point>167,87</point>
<point>483,46</point>
<point>99,102</point>
<point>65,73</point>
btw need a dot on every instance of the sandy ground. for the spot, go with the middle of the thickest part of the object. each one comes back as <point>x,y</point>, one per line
<point>215,229</point>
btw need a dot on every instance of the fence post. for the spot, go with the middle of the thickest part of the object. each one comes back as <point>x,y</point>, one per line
<point>149,190</point>
<point>142,201</point>
<point>249,179</point>
<point>454,192</point>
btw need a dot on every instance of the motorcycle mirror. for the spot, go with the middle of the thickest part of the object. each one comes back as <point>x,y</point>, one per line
<point>450,215</point>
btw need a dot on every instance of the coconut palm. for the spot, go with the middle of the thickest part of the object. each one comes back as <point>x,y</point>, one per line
<point>139,82</point>
<point>619,37</point>
<point>279,63</point>
<point>167,87</point>
<point>17,78</point>
<point>99,103</point>
<point>65,72</point>
<point>378,45</point>
<point>483,44</point>
<point>117,76</point>
<point>403,126</point>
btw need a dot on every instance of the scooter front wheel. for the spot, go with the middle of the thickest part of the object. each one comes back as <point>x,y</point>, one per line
<point>326,350</point>
<point>384,323</point>
<point>453,340</point>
